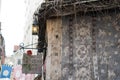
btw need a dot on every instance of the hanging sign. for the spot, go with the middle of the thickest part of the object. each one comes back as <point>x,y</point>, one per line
<point>32,64</point>
<point>6,71</point>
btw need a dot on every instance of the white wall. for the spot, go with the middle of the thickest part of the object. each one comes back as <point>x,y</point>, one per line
<point>14,59</point>
<point>31,7</point>
<point>0,10</point>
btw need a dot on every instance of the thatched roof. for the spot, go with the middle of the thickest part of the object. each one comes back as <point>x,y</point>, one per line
<point>67,7</point>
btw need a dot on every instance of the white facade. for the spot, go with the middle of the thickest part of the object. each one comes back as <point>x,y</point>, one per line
<point>0,10</point>
<point>31,7</point>
<point>15,59</point>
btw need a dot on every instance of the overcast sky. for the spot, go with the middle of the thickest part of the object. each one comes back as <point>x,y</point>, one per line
<point>12,18</point>
<point>0,10</point>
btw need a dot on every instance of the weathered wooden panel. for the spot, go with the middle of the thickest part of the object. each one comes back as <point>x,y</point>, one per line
<point>82,49</point>
<point>67,48</point>
<point>76,47</point>
<point>91,47</point>
<point>108,46</point>
<point>53,65</point>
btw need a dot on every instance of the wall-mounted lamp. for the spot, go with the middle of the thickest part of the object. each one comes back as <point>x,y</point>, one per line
<point>35,27</point>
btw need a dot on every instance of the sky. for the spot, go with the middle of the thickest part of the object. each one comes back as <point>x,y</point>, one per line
<point>13,19</point>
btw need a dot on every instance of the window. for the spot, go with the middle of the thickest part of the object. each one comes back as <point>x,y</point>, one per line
<point>19,61</point>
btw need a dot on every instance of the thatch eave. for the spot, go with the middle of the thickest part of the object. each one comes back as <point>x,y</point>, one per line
<point>52,9</point>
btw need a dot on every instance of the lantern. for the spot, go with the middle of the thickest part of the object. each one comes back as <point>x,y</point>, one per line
<point>35,27</point>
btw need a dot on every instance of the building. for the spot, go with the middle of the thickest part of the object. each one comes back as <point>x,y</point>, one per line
<point>16,58</point>
<point>2,47</point>
<point>16,62</point>
<point>2,42</point>
<point>83,38</point>
<point>30,39</point>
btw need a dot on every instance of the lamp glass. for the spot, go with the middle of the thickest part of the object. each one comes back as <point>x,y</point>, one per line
<point>35,29</point>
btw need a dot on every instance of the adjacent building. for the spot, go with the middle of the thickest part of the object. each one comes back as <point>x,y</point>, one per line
<point>30,39</point>
<point>2,43</point>
<point>15,61</point>
<point>2,47</point>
